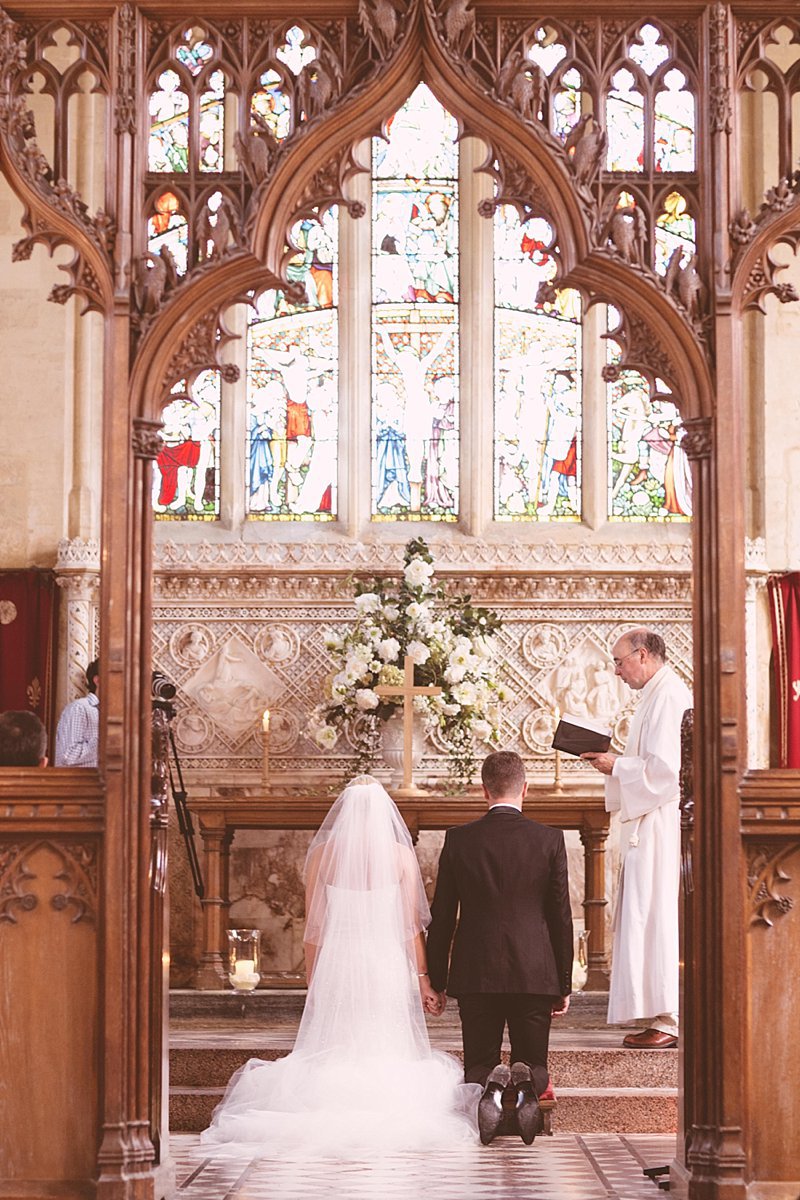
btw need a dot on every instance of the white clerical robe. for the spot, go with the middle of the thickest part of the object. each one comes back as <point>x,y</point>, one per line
<point>643,789</point>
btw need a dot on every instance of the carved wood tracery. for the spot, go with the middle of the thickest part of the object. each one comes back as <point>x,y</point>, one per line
<point>79,874</point>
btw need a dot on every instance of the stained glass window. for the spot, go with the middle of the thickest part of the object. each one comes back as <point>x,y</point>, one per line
<point>194,53</point>
<point>537,378</point>
<point>271,103</point>
<point>546,51</point>
<point>567,103</point>
<point>649,475</point>
<point>168,148</point>
<point>415,325</point>
<point>675,232</point>
<point>648,51</point>
<point>293,381</point>
<point>625,124</point>
<point>212,123</point>
<point>186,472</point>
<point>673,127</point>
<point>294,53</point>
<point>168,227</point>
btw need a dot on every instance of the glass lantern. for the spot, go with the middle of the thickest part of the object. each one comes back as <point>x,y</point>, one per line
<point>243,958</point>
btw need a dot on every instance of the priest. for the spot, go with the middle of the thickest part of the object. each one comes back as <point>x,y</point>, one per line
<point>642,786</point>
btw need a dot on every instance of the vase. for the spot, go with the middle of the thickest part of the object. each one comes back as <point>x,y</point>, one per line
<point>392,743</point>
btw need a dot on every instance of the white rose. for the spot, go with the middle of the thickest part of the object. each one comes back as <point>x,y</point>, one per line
<point>414,610</point>
<point>483,646</point>
<point>391,612</point>
<point>482,730</point>
<point>454,674</point>
<point>451,710</point>
<point>462,644</point>
<point>367,602</point>
<point>326,737</point>
<point>366,699</point>
<point>464,693</point>
<point>418,652</point>
<point>333,641</point>
<point>340,686</point>
<point>418,572</point>
<point>388,649</point>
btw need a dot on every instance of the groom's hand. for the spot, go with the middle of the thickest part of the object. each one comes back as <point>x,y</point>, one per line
<point>559,1009</point>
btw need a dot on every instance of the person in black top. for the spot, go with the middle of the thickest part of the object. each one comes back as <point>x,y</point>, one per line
<point>503,890</point>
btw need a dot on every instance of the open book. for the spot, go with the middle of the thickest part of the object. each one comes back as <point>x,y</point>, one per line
<point>581,735</point>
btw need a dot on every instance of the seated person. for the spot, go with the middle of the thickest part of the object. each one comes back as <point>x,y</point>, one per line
<point>78,733</point>
<point>23,740</point>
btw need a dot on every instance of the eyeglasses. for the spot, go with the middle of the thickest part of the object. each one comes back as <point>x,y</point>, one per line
<point>619,661</point>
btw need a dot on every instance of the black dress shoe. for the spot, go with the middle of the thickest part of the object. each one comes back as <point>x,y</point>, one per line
<point>529,1116</point>
<point>490,1105</point>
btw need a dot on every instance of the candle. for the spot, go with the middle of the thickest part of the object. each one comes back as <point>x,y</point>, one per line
<point>244,977</point>
<point>265,749</point>
<point>557,773</point>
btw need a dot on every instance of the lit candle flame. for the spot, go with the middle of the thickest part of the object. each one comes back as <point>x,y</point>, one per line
<point>265,721</point>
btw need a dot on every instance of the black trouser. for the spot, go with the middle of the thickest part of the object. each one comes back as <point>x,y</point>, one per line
<point>484,1016</point>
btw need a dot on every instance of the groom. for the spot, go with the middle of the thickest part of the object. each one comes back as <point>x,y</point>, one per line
<point>502,887</point>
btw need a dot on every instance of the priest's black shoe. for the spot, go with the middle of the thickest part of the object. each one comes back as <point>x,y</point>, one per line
<point>490,1105</point>
<point>529,1116</point>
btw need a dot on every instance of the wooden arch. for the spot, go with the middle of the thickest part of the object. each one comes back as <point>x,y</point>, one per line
<point>313,174</point>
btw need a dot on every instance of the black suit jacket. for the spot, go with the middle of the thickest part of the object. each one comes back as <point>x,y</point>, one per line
<point>505,878</point>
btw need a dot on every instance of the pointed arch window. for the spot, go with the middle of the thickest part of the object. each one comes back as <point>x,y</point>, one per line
<point>306,440</point>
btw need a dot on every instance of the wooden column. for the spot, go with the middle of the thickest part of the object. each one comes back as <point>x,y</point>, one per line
<point>211,973</point>
<point>126,1158</point>
<point>593,837</point>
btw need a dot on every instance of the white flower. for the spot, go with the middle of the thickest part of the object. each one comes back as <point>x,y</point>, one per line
<point>333,641</point>
<point>418,572</point>
<point>340,685</point>
<point>414,610</point>
<point>451,710</point>
<point>482,730</point>
<point>388,649</point>
<point>483,646</point>
<point>367,602</point>
<point>465,693</point>
<point>419,652</point>
<point>366,699</point>
<point>391,612</point>
<point>454,674</point>
<point>463,645</point>
<point>325,736</point>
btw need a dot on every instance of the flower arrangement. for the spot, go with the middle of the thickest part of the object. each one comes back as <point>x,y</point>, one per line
<point>452,643</point>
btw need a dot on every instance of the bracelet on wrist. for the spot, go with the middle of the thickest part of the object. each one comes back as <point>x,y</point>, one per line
<point>421,974</point>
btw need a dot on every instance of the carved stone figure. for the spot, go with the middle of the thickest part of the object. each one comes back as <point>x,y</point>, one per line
<point>256,149</point>
<point>219,235</point>
<point>378,20</point>
<point>673,270</point>
<point>690,288</point>
<point>588,145</point>
<point>459,23</point>
<point>522,83</point>
<point>627,231</point>
<point>154,275</point>
<point>315,88</point>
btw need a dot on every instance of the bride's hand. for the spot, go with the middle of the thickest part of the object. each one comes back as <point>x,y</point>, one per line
<point>432,1001</point>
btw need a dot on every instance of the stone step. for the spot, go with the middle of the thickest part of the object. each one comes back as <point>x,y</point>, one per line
<point>210,1067</point>
<point>578,1110</point>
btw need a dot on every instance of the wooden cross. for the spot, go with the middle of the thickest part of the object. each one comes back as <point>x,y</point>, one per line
<point>408,692</point>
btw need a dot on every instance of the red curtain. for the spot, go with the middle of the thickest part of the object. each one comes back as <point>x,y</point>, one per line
<point>784,594</point>
<point>28,636</point>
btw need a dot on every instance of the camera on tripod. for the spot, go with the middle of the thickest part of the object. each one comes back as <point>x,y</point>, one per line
<point>162,693</point>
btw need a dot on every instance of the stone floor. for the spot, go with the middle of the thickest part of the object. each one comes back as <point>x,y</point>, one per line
<point>564,1167</point>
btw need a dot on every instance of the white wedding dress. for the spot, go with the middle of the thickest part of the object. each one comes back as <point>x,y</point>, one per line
<point>362,1079</point>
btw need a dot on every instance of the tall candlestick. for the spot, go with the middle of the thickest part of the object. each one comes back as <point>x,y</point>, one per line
<point>265,749</point>
<point>557,785</point>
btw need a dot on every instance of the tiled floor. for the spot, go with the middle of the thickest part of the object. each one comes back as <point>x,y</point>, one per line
<point>564,1167</point>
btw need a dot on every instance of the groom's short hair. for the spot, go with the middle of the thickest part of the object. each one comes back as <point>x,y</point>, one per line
<point>503,774</point>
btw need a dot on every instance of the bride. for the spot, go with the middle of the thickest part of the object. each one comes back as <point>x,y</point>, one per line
<point>362,1078</point>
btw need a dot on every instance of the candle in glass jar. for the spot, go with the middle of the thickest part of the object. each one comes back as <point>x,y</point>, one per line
<point>245,969</point>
